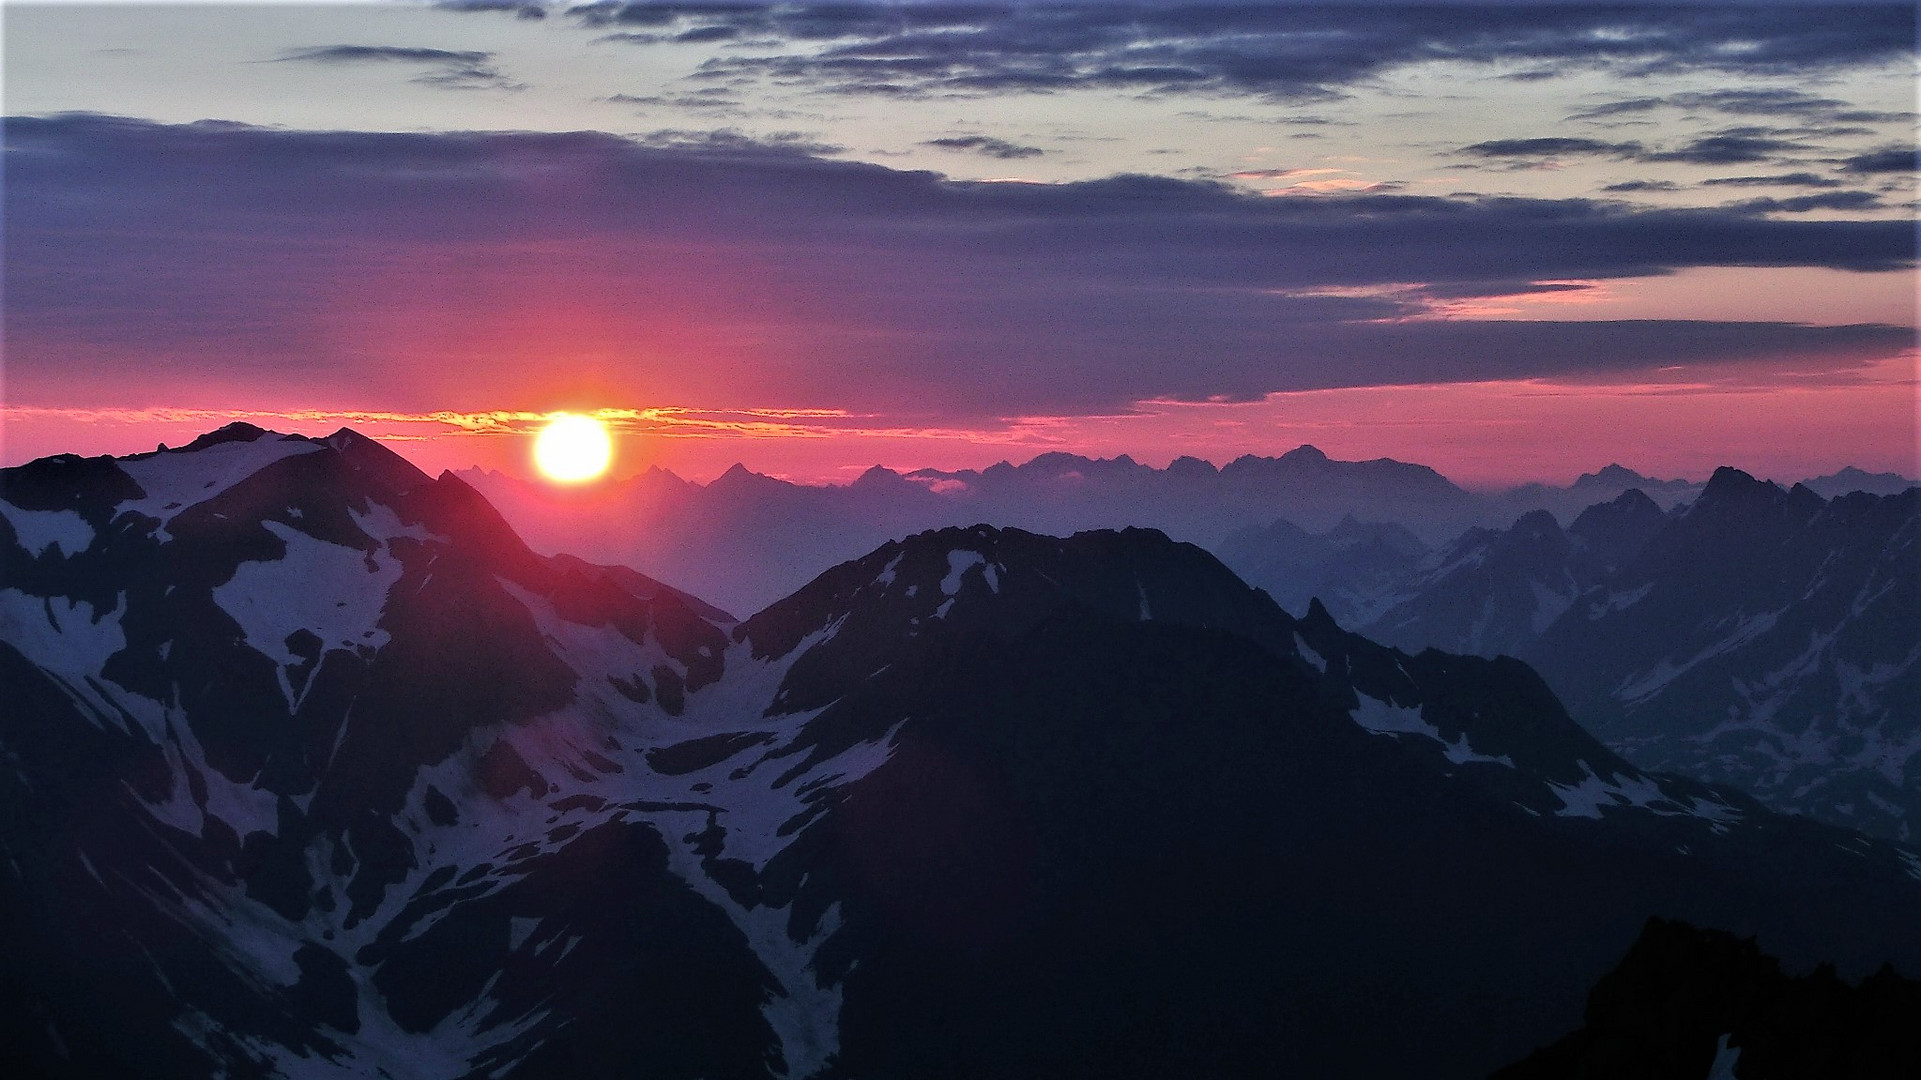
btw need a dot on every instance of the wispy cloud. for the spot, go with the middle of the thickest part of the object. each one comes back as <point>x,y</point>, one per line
<point>1747,101</point>
<point>1794,179</point>
<point>446,68</point>
<point>986,145</point>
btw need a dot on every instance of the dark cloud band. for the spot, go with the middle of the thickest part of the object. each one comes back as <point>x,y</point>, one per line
<point>1287,51</point>
<point>353,259</point>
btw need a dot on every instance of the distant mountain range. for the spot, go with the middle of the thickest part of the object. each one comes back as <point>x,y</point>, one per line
<point>1760,637</point>
<point>746,539</point>
<point>313,768</point>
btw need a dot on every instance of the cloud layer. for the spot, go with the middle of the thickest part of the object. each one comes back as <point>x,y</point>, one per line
<point>1280,51</point>
<point>459,270</point>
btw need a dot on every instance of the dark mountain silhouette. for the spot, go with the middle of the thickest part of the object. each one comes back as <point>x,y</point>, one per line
<point>1688,1003</point>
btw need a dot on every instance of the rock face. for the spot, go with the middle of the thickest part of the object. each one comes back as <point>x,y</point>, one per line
<point>1688,1003</point>
<point>309,767</point>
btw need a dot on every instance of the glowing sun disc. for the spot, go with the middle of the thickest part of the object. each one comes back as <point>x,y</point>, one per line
<point>573,449</point>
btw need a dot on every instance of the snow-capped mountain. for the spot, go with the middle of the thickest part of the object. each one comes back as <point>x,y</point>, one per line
<point>309,767</point>
<point>1768,639</point>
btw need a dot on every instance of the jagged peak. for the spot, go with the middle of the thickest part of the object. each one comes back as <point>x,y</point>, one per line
<point>1631,508</point>
<point>375,459</point>
<point>1636,499</point>
<point>1730,483</point>
<point>1188,465</point>
<point>1610,474</point>
<point>880,477</point>
<point>1536,523</point>
<point>739,477</point>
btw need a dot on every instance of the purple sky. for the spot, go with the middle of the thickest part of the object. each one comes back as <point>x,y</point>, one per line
<point>1511,241</point>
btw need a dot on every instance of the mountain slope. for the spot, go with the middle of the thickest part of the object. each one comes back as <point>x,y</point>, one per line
<point>317,770</point>
<point>1492,592</point>
<point>1767,639</point>
<point>1762,638</point>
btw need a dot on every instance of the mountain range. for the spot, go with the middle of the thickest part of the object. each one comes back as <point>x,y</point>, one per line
<point>746,539</point>
<point>1756,636</point>
<point>314,768</point>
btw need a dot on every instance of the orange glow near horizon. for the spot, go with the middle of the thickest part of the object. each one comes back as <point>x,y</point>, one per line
<point>1480,435</point>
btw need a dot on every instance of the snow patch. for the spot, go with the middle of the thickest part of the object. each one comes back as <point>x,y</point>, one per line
<point>1914,864</point>
<point>958,563</point>
<point>1308,654</point>
<point>1637,688</point>
<point>1381,718</point>
<point>1617,601</point>
<point>1548,605</point>
<point>68,639</point>
<point>176,480</point>
<point>381,523</point>
<point>519,930</point>
<point>1725,1057</point>
<point>1593,795</point>
<point>324,588</point>
<point>39,530</point>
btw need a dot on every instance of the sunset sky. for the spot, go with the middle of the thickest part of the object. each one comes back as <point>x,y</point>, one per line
<point>1512,241</point>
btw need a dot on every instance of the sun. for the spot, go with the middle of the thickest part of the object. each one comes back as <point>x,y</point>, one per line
<point>573,449</point>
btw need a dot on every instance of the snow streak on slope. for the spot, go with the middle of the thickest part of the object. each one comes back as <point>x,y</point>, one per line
<point>1385,718</point>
